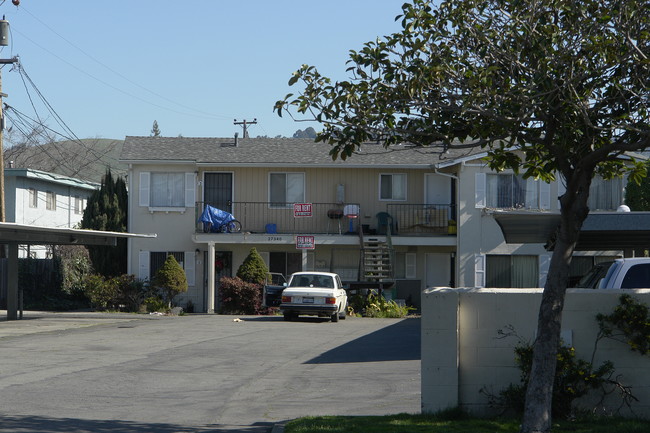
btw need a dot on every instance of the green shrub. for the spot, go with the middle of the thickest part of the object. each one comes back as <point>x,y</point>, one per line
<point>377,306</point>
<point>240,297</point>
<point>574,378</point>
<point>156,304</point>
<point>124,292</point>
<point>629,323</point>
<point>102,293</point>
<point>253,269</point>
<point>170,279</point>
<point>75,267</point>
<point>130,292</point>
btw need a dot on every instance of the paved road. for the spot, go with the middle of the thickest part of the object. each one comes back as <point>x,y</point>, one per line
<point>200,373</point>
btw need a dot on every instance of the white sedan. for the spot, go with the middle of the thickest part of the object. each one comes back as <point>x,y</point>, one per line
<point>315,294</point>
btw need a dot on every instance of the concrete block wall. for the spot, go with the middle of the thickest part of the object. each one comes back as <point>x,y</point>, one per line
<point>463,352</point>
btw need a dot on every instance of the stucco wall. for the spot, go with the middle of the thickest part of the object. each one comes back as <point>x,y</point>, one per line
<point>462,351</point>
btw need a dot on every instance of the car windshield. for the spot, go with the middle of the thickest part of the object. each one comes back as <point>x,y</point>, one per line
<point>312,280</point>
<point>593,277</point>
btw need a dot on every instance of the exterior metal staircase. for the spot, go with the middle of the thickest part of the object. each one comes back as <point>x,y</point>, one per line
<point>377,260</point>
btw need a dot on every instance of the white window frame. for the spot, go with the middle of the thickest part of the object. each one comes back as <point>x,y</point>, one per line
<point>50,200</point>
<point>541,189</point>
<point>393,196</point>
<point>186,193</point>
<point>288,202</point>
<point>33,198</point>
<point>167,190</point>
<point>78,205</point>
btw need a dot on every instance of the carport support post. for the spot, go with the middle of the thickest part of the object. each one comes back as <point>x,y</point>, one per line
<point>304,261</point>
<point>12,282</point>
<point>211,277</point>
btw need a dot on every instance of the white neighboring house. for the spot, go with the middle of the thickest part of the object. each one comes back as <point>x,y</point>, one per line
<point>39,198</point>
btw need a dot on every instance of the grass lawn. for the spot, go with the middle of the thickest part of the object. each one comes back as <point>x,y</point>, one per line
<point>450,423</point>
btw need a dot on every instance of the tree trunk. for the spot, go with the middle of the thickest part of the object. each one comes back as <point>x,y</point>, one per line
<point>539,394</point>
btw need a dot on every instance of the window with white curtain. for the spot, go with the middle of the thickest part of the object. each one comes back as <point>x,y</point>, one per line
<point>285,189</point>
<point>33,198</point>
<point>392,186</point>
<point>168,189</point>
<point>510,191</point>
<point>605,194</point>
<point>50,200</point>
<point>78,205</point>
<point>512,271</point>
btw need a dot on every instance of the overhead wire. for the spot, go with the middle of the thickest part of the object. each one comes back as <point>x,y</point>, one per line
<point>119,74</point>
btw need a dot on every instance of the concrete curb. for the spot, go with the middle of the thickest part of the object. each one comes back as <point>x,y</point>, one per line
<point>278,428</point>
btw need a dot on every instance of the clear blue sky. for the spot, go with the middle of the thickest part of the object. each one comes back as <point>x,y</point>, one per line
<point>110,68</point>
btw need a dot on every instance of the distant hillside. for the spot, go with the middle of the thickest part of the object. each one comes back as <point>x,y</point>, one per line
<point>86,159</point>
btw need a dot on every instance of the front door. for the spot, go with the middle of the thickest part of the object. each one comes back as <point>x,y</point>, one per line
<point>217,190</point>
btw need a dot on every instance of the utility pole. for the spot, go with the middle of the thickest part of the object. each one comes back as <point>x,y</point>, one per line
<point>2,160</point>
<point>245,124</point>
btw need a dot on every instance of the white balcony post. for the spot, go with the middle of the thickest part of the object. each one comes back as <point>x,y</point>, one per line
<point>211,277</point>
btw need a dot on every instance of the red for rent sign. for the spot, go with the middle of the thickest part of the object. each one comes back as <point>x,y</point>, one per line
<point>305,242</point>
<point>301,210</point>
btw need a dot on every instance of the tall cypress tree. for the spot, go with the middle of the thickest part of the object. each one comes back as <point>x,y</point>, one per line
<point>107,210</point>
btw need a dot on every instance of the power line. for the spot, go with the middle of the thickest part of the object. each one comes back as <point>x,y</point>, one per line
<point>118,73</point>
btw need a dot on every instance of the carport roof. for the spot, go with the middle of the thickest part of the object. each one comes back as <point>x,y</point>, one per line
<point>37,235</point>
<point>600,231</point>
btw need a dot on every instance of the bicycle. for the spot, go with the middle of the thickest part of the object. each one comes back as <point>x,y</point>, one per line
<point>219,221</point>
<point>232,226</point>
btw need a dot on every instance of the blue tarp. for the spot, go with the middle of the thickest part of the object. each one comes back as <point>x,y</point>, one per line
<point>213,218</point>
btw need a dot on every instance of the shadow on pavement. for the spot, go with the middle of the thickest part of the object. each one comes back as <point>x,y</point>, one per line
<point>34,424</point>
<point>398,342</point>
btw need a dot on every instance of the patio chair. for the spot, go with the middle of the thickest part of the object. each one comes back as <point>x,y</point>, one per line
<point>384,221</point>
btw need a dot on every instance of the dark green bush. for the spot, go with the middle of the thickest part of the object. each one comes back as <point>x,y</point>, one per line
<point>156,304</point>
<point>102,293</point>
<point>629,323</point>
<point>253,269</point>
<point>124,292</point>
<point>574,378</point>
<point>130,292</point>
<point>240,297</point>
<point>170,279</point>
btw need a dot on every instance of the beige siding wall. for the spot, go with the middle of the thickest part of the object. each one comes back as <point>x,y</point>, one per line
<point>175,228</point>
<point>361,186</point>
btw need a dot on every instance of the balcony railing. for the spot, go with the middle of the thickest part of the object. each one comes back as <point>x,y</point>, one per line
<point>265,217</point>
<point>330,218</point>
<point>422,218</point>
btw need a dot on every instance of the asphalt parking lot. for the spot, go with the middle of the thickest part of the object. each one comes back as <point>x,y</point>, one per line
<point>90,372</point>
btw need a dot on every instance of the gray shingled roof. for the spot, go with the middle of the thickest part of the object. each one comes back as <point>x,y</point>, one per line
<point>275,151</point>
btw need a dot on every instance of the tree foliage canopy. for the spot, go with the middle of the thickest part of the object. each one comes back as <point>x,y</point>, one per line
<point>107,210</point>
<point>155,130</point>
<point>566,82</point>
<point>545,86</point>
